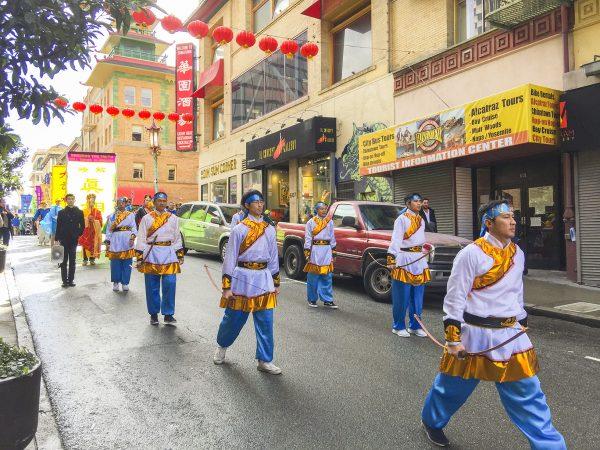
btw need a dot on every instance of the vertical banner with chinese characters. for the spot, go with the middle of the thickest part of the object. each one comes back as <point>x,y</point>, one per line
<point>39,196</point>
<point>59,183</point>
<point>92,173</point>
<point>184,88</point>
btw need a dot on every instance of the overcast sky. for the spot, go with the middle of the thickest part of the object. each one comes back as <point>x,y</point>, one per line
<point>68,83</point>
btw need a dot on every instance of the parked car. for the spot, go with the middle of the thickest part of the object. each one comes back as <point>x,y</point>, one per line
<point>204,226</point>
<point>363,232</point>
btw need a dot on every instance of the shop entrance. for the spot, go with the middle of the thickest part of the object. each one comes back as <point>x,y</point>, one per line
<point>533,188</point>
<point>278,193</point>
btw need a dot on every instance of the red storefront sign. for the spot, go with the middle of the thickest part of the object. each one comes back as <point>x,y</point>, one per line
<point>184,87</point>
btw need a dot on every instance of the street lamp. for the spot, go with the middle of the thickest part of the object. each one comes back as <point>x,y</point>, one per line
<point>154,132</point>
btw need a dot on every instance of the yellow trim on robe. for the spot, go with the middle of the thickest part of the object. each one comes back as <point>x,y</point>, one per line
<point>119,218</point>
<point>318,270</point>
<point>255,231</point>
<point>159,221</point>
<point>401,274</point>
<point>126,254</point>
<point>391,260</point>
<point>452,333</point>
<point>321,224</point>
<point>250,304</point>
<point>520,365</point>
<point>160,269</point>
<point>415,224</point>
<point>503,261</point>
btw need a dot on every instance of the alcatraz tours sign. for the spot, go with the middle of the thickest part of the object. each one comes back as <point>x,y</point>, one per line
<point>525,114</point>
<point>311,136</point>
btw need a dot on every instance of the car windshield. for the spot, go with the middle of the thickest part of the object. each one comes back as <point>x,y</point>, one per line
<point>228,212</point>
<point>379,217</point>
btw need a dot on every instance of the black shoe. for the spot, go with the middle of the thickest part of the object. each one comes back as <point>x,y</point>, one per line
<point>169,320</point>
<point>330,305</point>
<point>153,319</point>
<point>437,437</point>
<point>71,284</point>
<point>65,285</point>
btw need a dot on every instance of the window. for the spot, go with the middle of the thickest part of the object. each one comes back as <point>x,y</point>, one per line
<point>233,189</point>
<point>269,85</point>
<point>252,180</point>
<point>470,17</point>
<point>136,133</point>
<point>129,95</point>
<point>219,191</point>
<point>211,213</point>
<point>138,171</point>
<point>184,211</point>
<point>264,11</point>
<point>352,50</point>
<point>218,120</point>
<point>343,211</point>
<point>314,185</point>
<point>204,192</point>
<point>146,98</point>
<point>198,212</point>
<point>171,172</point>
<point>218,52</point>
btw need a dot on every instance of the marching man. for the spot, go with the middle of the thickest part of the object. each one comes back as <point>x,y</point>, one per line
<point>484,325</point>
<point>250,283</point>
<point>159,257</point>
<point>120,238</point>
<point>407,262</point>
<point>319,245</point>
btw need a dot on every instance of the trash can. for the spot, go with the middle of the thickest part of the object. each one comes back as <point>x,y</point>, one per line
<point>2,259</point>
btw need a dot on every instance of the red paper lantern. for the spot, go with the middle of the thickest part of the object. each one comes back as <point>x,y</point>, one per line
<point>96,108</point>
<point>60,102</point>
<point>79,106</point>
<point>143,17</point>
<point>129,113</point>
<point>173,117</point>
<point>289,48</point>
<point>112,111</point>
<point>309,50</point>
<point>144,114</point>
<point>268,44</point>
<point>198,29</point>
<point>159,116</point>
<point>223,35</point>
<point>188,117</point>
<point>171,24</point>
<point>245,39</point>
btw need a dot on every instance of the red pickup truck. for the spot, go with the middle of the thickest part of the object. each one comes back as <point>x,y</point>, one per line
<point>363,231</point>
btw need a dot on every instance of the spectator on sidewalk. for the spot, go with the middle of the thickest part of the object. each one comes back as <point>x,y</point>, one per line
<point>428,214</point>
<point>16,225</point>
<point>43,237</point>
<point>146,208</point>
<point>6,218</point>
<point>69,227</point>
<point>49,221</point>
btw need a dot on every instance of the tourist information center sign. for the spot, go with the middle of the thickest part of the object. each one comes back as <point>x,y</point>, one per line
<point>527,114</point>
<point>92,173</point>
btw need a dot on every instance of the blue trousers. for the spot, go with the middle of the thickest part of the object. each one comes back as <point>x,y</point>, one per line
<point>120,270</point>
<point>233,322</point>
<point>406,296</point>
<point>523,400</point>
<point>319,287</point>
<point>155,304</point>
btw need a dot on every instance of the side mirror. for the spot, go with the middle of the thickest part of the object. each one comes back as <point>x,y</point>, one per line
<point>216,220</point>
<point>350,222</point>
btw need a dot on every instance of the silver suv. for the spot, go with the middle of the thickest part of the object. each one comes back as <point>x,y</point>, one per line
<point>204,226</point>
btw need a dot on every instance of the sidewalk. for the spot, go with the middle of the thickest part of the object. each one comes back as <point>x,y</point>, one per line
<point>15,330</point>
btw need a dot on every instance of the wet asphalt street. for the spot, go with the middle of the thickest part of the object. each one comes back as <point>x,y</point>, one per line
<point>348,382</point>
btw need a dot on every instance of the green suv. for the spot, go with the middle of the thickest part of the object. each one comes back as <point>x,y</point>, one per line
<point>205,226</point>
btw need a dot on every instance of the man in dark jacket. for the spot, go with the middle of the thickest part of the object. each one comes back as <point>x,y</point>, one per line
<point>428,215</point>
<point>69,227</point>
<point>6,218</point>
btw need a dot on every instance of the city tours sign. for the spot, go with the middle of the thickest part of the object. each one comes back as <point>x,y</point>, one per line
<point>526,114</point>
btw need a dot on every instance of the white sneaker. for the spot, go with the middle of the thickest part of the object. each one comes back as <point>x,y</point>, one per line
<point>125,287</point>
<point>268,368</point>
<point>401,333</point>
<point>219,357</point>
<point>419,332</point>
<point>116,287</point>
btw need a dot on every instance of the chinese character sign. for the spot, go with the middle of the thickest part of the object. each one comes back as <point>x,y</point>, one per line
<point>59,183</point>
<point>92,173</point>
<point>184,87</point>
<point>39,194</point>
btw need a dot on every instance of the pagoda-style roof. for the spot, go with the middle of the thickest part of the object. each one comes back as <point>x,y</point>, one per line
<point>114,38</point>
<point>106,67</point>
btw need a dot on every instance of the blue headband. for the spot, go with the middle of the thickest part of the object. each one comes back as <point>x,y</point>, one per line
<point>122,200</point>
<point>319,205</point>
<point>160,196</point>
<point>491,214</point>
<point>413,198</point>
<point>253,198</point>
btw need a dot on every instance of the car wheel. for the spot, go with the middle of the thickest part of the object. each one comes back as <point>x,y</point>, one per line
<point>377,281</point>
<point>185,249</point>
<point>223,248</point>
<point>293,262</point>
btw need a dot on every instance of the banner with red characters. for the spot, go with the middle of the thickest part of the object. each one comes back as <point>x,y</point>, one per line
<point>184,88</point>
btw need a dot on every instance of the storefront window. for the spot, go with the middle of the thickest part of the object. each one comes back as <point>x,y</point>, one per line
<point>252,180</point>
<point>314,185</point>
<point>278,194</point>
<point>204,192</point>
<point>233,190</point>
<point>219,191</point>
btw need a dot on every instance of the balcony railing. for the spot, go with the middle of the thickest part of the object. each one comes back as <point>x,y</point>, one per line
<point>137,54</point>
<point>514,12</point>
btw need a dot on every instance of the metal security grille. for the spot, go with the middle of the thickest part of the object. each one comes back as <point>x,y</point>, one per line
<point>436,182</point>
<point>345,191</point>
<point>464,203</point>
<point>588,226</point>
<point>514,12</point>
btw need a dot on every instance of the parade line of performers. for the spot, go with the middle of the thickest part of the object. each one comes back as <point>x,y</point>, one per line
<point>484,317</point>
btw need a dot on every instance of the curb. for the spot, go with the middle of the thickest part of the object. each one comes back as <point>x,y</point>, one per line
<point>583,319</point>
<point>47,435</point>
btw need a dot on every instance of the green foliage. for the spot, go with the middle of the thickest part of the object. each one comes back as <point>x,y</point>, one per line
<point>15,361</point>
<point>12,157</point>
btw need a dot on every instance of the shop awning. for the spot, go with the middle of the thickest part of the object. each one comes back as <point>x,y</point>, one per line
<point>213,76</point>
<point>313,10</point>
<point>135,193</point>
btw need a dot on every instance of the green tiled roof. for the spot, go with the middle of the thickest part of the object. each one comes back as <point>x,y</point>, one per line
<point>515,12</point>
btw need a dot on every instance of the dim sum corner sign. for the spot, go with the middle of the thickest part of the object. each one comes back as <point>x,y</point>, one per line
<point>526,114</point>
<point>219,168</point>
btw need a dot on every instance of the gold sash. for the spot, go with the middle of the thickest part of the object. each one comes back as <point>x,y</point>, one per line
<point>159,221</point>
<point>255,231</point>
<point>321,224</point>
<point>415,224</point>
<point>118,219</point>
<point>503,261</point>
